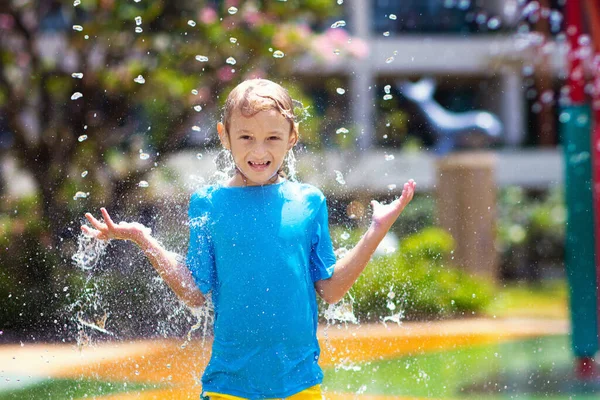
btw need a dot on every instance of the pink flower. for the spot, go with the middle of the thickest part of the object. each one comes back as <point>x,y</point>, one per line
<point>358,48</point>
<point>225,74</point>
<point>6,22</point>
<point>208,15</point>
<point>253,18</point>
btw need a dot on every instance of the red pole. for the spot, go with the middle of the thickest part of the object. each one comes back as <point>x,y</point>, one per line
<point>593,12</point>
<point>584,366</point>
<point>576,78</point>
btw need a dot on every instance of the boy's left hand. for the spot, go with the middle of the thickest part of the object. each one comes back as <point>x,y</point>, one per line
<point>384,215</point>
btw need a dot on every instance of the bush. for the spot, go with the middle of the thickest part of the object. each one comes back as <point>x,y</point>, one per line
<point>531,232</point>
<point>418,282</point>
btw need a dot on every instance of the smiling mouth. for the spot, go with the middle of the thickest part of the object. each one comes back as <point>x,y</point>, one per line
<point>259,164</point>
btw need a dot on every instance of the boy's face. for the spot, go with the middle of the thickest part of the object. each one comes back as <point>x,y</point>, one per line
<point>258,143</point>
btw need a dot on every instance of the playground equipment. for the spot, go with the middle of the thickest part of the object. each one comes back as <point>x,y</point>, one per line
<point>465,187</point>
<point>582,186</point>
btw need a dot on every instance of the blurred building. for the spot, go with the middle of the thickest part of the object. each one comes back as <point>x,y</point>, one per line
<point>503,56</point>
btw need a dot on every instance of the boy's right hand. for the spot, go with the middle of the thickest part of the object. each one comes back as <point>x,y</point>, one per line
<point>133,231</point>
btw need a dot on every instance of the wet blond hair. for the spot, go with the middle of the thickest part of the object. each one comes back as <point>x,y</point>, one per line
<point>255,95</point>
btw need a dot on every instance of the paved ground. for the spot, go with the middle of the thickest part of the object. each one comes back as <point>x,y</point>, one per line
<point>178,367</point>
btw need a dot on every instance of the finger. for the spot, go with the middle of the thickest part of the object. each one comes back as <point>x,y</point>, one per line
<point>90,232</point>
<point>95,223</point>
<point>107,219</point>
<point>374,203</point>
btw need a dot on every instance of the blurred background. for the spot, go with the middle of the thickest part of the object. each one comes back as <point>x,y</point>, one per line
<point>111,103</point>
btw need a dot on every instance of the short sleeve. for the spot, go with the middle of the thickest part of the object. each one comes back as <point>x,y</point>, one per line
<point>200,256</point>
<point>322,257</point>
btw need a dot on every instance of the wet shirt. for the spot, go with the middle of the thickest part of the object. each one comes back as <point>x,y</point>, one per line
<point>258,250</point>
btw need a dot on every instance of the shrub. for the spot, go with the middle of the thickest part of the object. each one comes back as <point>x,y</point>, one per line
<point>418,281</point>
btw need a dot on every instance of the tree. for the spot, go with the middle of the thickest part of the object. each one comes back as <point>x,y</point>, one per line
<point>97,92</point>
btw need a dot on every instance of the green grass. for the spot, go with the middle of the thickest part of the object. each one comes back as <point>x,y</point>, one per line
<point>527,369</point>
<point>547,299</point>
<point>73,389</point>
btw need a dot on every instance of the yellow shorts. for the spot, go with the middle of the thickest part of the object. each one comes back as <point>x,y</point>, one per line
<point>312,393</point>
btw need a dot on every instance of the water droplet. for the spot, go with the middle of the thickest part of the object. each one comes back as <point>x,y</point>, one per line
<point>202,58</point>
<point>338,24</point>
<point>138,29</point>
<point>339,177</point>
<point>340,90</point>
<point>76,3</point>
<point>393,17</point>
<point>387,88</point>
<point>191,23</point>
<point>230,61</point>
<point>77,28</point>
<point>232,10</point>
<point>76,95</point>
<point>140,79</point>
<point>199,156</point>
<point>389,157</point>
<point>391,186</point>
<point>528,70</point>
<point>143,184</point>
<point>82,138</point>
<point>342,130</point>
<point>77,75</point>
<point>194,91</point>
<point>144,156</point>
<point>493,23</point>
<point>233,40</point>
<point>564,117</point>
<point>340,2</point>
<point>198,108</point>
<point>387,97</point>
<point>391,306</point>
<point>582,120</point>
<point>547,96</point>
<point>584,40</point>
<point>336,52</point>
<point>80,195</point>
<point>386,33</point>
<point>278,54</point>
<point>389,60</point>
<point>84,174</point>
<point>138,20</point>
<point>345,236</point>
<point>196,128</point>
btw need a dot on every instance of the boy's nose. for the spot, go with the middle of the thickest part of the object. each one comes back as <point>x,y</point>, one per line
<point>259,150</point>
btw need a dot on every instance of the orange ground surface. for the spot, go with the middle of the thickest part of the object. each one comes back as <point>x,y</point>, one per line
<point>178,368</point>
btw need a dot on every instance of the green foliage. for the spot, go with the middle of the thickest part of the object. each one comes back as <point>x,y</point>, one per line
<point>419,281</point>
<point>530,229</point>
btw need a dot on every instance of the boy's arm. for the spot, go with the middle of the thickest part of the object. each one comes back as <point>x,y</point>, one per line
<point>348,269</point>
<point>168,264</point>
<point>172,270</point>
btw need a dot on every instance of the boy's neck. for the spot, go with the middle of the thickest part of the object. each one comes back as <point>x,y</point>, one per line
<point>239,180</point>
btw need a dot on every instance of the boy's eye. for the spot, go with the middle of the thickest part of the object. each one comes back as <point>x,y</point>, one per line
<point>274,138</point>
<point>245,137</point>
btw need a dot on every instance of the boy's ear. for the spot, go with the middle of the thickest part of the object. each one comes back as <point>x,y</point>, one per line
<point>223,137</point>
<point>293,136</point>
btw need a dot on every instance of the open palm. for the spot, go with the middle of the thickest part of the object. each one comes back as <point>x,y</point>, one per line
<point>384,215</point>
<point>109,230</point>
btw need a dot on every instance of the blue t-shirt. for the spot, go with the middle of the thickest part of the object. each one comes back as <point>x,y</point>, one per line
<point>259,250</point>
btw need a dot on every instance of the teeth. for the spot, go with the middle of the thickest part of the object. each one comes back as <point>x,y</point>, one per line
<point>257,163</point>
